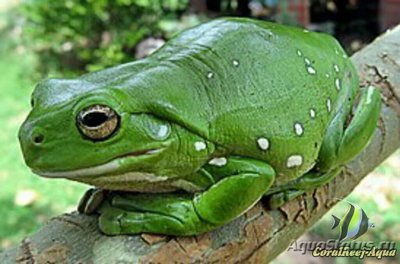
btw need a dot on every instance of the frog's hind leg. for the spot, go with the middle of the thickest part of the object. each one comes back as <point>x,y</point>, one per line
<point>307,182</point>
<point>343,143</point>
<point>340,145</point>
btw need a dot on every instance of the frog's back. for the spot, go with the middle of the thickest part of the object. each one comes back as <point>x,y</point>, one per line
<point>261,90</point>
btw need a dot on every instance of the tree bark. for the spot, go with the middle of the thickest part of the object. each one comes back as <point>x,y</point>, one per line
<point>256,237</point>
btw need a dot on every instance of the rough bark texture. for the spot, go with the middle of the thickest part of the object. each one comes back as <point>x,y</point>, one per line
<point>256,237</point>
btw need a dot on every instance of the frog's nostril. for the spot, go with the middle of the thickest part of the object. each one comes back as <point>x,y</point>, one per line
<point>37,139</point>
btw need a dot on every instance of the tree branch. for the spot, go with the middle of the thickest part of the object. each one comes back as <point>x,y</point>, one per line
<point>259,235</point>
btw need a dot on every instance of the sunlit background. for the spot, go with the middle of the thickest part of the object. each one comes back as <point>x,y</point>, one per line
<point>45,38</point>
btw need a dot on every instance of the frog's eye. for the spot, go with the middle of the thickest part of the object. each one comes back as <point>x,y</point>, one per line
<point>97,122</point>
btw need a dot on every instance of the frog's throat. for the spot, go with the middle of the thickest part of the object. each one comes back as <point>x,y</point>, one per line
<point>99,170</point>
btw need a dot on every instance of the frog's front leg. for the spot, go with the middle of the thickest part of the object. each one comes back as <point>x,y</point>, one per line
<point>239,184</point>
<point>341,144</point>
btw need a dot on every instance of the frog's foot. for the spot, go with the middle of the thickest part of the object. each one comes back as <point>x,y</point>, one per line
<point>91,201</point>
<point>152,213</point>
<point>278,199</point>
<point>362,126</point>
<point>307,182</point>
<point>242,182</point>
<point>342,142</point>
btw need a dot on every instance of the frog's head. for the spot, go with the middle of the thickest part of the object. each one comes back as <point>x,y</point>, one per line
<point>80,130</point>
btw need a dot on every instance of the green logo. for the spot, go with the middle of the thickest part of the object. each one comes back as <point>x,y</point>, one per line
<point>353,224</point>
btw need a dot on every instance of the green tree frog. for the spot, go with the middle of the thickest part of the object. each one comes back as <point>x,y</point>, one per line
<point>192,136</point>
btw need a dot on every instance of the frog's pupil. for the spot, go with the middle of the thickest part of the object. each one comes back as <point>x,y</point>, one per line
<point>94,119</point>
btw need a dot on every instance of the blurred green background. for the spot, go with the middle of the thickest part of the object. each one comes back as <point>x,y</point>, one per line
<point>44,38</point>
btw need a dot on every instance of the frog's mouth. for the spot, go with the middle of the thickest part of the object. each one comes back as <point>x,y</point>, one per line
<point>99,170</point>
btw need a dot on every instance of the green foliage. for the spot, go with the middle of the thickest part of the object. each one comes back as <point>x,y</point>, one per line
<point>18,220</point>
<point>92,34</point>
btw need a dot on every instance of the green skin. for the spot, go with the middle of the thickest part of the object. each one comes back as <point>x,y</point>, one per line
<point>231,110</point>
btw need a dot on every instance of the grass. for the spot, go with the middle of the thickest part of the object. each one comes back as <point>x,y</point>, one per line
<point>51,197</point>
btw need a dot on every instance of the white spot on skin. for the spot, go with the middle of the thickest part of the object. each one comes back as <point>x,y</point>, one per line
<point>218,161</point>
<point>299,53</point>
<point>329,104</point>
<point>336,68</point>
<point>327,75</point>
<point>163,131</point>
<point>337,84</point>
<point>298,128</point>
<point>263,143</point>
<point>307,61</point>
<point>294,161</point>
<point>311,70</point>
<point>312,113</point>
<point>199,146</point>
<point>210,75</point>
<point>235,63</point>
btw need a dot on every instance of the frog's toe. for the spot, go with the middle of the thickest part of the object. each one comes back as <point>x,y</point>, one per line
<point>91,201</point>
<point>163,204</point>
<point>110,221</point>
<point>151,223</point>
<point>119,222</point>
<point>278,199</point>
